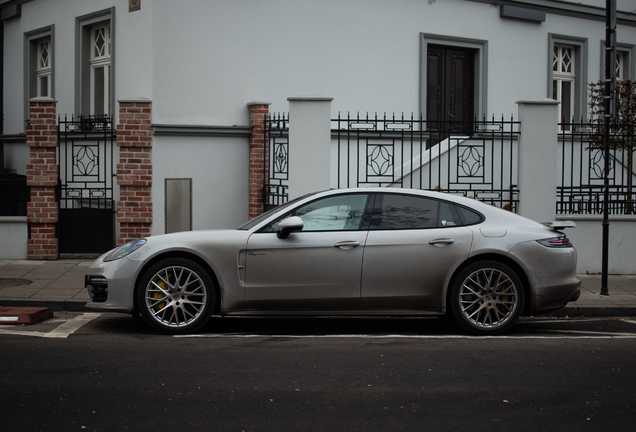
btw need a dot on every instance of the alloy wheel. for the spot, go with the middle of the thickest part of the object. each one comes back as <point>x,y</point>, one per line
<point>488,298</point>
<point>175,297</point>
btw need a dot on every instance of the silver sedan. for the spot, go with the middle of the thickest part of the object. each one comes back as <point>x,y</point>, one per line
<point>361,252</point>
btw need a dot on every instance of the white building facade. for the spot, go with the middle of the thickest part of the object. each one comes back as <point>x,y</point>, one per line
<point>197,67</point>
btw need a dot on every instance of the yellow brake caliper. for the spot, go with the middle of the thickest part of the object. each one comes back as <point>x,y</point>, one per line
<point>159,306</point>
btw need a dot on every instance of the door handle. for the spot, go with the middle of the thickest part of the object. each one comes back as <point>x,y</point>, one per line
<point>441,241</point>
<point>347,244</point>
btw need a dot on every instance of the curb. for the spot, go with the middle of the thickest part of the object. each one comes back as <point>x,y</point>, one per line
<point>593,311</point>
<point>24,315</point>
<point>56,305</point>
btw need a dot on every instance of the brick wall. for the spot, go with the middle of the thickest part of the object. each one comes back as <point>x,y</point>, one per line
<point>134,170</point>
<point>259,111</point>
<point>42,177</point>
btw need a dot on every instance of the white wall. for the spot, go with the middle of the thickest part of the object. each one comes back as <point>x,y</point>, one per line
<point>364,54</point>
<point>587,237</point>
<point>13,237</point>
<point>133,53</point>
<point>219,168</point>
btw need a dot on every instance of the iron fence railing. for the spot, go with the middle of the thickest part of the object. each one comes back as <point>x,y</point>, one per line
<point>477,159</point>
<point>582,170</point>
<point>276,161</point>
<point>86,145</point>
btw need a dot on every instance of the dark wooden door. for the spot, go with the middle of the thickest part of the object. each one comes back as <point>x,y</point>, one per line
<point>450,90</point>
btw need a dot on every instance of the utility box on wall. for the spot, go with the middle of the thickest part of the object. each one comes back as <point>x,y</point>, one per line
<point>178,205</point>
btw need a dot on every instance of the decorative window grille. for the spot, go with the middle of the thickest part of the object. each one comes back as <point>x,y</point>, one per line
<point>563,82</point>
<point>43,68</point>
<point>100,69</point>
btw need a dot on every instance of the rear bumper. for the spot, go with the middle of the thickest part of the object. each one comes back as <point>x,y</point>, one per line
<point>551,276</point>
<point>548,299</point>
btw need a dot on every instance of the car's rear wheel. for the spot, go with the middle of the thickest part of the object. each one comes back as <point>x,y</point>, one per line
<point>176,296</point>
<point>486,298</point>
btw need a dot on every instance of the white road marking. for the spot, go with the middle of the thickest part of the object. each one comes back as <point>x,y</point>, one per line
<point>629,321</point>
<point>70,327</point>
<point>587,332</point>
<point>61,332</point>
<point>21,333</point>
<point>590,335</point>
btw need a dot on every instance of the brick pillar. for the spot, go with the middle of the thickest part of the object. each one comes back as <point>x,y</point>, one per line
<point>42,177</point>
<point>259,111</point>
<point>134,170</point>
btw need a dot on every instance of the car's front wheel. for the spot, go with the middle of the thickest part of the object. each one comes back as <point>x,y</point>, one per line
<point>486,298</point>
<point>176,296</point>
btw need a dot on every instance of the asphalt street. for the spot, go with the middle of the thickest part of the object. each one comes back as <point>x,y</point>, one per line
<point>92,371</point>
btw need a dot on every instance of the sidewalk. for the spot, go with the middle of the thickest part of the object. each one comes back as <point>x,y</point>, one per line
<point>59,285</point>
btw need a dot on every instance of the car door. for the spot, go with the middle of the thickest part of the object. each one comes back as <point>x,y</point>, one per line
<point>317,268</point>
<point>412,244</point>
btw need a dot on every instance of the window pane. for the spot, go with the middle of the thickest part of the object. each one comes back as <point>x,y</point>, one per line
<point>333,214</point>
<point>566,101</point>
<point>98,107</point>
<point>43,86</point>
<point>619,66</point>
<point>447,216</point>
<point>99,42</point>
<point>43,55</point>
<point>469,216</point>
<point>567,60</point>
<point>341,213</point>
<point>408,212</point>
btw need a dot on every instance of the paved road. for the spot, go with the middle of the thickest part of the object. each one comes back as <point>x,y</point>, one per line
<point>108,372</point>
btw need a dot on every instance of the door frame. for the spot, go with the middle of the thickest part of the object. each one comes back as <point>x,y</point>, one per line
<point>480,65</point>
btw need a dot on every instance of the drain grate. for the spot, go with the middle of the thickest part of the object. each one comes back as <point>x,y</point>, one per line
<point>9,282</point>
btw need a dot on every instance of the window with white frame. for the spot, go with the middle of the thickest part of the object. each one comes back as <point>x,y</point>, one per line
<point>43,68</point>
<point>620,65</point>
<point>39,65</point>
<point>100,69</point>
<point>564,81</point>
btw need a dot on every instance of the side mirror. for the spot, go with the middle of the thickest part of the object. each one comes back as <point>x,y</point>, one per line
<point>289,225</point>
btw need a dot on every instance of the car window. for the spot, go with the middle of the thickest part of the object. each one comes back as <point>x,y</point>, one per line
<point>447,215</point>
<point>258,219</point>
<point>414,212</point>
<point>408,212</point>
<point>468,216</point>
<point>339,213</point>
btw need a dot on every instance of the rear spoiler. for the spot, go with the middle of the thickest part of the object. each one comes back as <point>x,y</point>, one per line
<point>559,225</point>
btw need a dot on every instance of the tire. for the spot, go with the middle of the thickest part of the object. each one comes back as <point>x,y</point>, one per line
<point>486,298</point>
<point>176,296</point>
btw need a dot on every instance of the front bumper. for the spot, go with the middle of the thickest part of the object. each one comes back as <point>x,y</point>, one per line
<point>111,285</point>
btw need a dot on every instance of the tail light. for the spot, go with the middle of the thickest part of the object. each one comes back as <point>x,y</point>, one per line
<point>556,242</point>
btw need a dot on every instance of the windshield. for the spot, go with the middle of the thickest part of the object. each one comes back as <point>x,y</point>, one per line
<point>258,219</point>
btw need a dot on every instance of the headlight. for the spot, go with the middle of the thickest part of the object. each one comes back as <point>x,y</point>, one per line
<point>124,250</point>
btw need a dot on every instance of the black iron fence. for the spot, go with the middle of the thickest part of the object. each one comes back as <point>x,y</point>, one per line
<point>87,206</point>
<point>582,170</point>
<point>86,145</point>
<point>476,159</point>
<point>276,161</point>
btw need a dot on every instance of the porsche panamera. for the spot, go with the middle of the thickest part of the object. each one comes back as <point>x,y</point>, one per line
<point>351,252</point>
